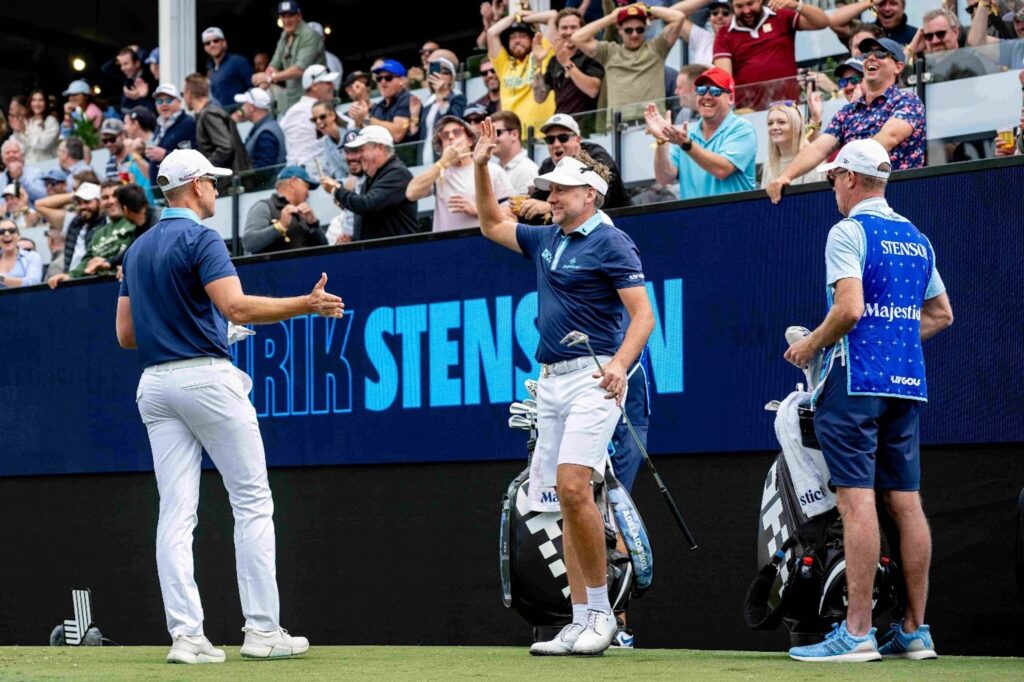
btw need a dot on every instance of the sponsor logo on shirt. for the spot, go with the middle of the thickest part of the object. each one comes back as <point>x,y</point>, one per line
<point>892,312</point>
<point>571,265</point>
<point>546,255</point>
<point>893,248</point>
<point>635,276</point>
<point>904,381</point>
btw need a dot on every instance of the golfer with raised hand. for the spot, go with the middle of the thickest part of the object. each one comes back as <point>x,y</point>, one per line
<point>178,293</point>
<point>885,298</point>
<point>588,275</point>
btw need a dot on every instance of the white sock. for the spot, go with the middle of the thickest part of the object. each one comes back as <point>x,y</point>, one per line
<point>579,614</point>
<point>597,599</point>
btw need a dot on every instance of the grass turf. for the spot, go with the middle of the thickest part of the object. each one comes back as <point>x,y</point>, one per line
<point>485,663</point>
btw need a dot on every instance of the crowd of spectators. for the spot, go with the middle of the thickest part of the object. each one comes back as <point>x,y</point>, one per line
<point>544,74</point>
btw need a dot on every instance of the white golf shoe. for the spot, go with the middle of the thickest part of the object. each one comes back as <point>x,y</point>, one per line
<point>597,636</point>
<point>193,649</point>
<point>561,645</point>
<point>272,644</point>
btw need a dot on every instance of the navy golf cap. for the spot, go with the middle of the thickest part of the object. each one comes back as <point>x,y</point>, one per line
<point>288,7</point>
<point>297,172</point>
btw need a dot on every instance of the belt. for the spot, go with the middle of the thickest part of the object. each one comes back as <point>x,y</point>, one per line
<point>184,364</point>
<point>569,366</point>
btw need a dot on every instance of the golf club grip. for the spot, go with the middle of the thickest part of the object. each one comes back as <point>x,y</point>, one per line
<point>687,535</point>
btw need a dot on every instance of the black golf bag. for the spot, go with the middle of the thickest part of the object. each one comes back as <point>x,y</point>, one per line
<point>801,579</point>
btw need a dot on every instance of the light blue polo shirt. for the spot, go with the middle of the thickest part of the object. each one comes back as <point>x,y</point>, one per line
<point>735,139</point>
<point>165,272</point>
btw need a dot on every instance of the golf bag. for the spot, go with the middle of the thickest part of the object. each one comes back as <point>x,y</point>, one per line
<point>802,576</point>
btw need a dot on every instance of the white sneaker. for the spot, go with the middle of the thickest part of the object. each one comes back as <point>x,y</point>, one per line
<point>272,644</point>
<point>561,645</point>
<point>597,636</point>
<point>194,649</point>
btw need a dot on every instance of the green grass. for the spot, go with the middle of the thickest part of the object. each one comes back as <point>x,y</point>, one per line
<point>484,663</point>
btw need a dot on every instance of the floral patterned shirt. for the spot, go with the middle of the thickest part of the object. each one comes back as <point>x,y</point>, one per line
<point>859,120</point>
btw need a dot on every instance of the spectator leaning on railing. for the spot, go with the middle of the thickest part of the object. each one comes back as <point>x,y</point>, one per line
<point>284,221</point>
<point>217,136</point>
<point>759,48</point>
<point>892,117</point>
<point>574,77</point>
<point>230,74</point>
<point>18,268</point>
<point>301,143</point>
<point>518,53</point>
<point>786,137</point>
<point>39,132</point>
<point>298,48</point>
<point>265,143</point>
<point>715,157</point>
<point>29,177</point>
<point>890,16</point>
<point>445,99</point>
<point>451,178</point>
<point>510,155</point>
<point>634,70</point>
<point>938,38</point>
<point>382,209</point>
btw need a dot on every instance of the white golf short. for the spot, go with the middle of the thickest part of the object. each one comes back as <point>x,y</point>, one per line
<point>575,422</point>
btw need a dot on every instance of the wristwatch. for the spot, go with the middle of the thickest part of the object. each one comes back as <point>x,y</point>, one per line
<point>687,146</point>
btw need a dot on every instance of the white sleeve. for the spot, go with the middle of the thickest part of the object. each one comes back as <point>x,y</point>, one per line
<point>845,252</point>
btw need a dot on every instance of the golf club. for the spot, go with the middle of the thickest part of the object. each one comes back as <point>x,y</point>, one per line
<point>518,421</point>
<point>575,338</point>
<point>521,408</point>
<point>531,387</point>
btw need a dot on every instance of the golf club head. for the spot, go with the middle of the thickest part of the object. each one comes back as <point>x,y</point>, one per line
<point>521,408</point>
<point>531,403</point>
<point>574,338</point>
<point>531,387</point>
<point>518,421</point>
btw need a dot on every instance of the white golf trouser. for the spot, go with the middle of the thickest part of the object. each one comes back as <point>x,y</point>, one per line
<point>188,406</point>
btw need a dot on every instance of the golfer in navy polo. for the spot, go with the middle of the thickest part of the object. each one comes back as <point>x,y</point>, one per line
<point>178,293</point>
<point>885,298</point>
<point>588,276</point>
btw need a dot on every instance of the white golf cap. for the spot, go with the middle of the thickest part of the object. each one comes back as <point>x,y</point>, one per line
<point>318,73</point>
<point>571,172</point>
<point>9,191</point>
<point>562,121</point>
<point>258,97</point>
<point>182,166</point>
<point>374,134</point>
<point>88,191</point>
<point>167,89</point>
<point>860,156</point>
<point>212,32</point>
<point>78,87</point>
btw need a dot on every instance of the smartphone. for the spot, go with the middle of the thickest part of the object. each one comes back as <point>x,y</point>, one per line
<point>438,68</point>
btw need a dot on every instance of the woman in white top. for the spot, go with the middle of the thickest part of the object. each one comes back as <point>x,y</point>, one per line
<point>17,268</point>
<point>39,132</point>
<point>700,39</point>
<point>786,137</point>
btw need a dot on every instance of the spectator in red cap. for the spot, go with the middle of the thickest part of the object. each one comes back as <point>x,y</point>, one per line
<point>519,54</point>
<point>634,70</point>
<point>760,45</point>
<point>716,156</point>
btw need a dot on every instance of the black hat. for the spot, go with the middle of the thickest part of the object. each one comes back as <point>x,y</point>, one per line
<point>143,116</point>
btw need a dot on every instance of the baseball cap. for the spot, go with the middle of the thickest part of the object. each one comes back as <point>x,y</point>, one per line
<point>349,136</point>
<point>318,73</point>
<point>154,56</point>
<point>167,89</point>
<point>887,44</point>
<point>182,166</point>
<point>358,76</point>
<point>631,12</point>
<point>111,126</point>
<point>212,32</point>
<point>851,63</point>
<point>860,156</point>
<point>145,117</point>
<point>475,110</point>
<point>374,134</point>
<point>258,97</point>
<point>288,7</point>
<point>9,191</point>
<point>55,175</point>
<point>517,27</point>
<point>392,66</point>
<point>571,173</point>
<point>720,3</point>
<point>297,172</point>
<point>87,191</point>
<point>716,76</point>
<point>563,120</point>
<point>78,87</point>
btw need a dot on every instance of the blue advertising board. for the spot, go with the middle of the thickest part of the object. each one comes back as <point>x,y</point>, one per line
<point>439,336</point>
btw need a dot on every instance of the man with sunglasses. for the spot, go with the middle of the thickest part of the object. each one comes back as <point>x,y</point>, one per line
<point>175,129</point>
<point>230,74</point>
<point>892,117</point>
<point>700,40</point>
<point>107,245</point>
<point>298,48</point>
<point>850,75</point>
<point>179,291</point>
<point>113,139</point>
<point>759,48</point>
<point>589,276</point>
<point>562,135</point>
<point>938,38</point>
<point>394,109</point>
<point>491,101</point>
<point>868,404</point>
<point>634,69</point>
<point>718,155</point>
<point>301,143</point>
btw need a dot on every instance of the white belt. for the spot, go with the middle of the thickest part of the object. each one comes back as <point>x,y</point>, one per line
<point>569,366</point>
<point>184,364</point>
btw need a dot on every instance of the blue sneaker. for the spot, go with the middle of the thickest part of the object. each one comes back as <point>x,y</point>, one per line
<point>840,645</point>
<point>917,645</point>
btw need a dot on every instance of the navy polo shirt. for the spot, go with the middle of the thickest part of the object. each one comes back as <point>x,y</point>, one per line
<point>578,278</point>
<point>232,77</point>
<point>165,271</point>
<point>382,111</point>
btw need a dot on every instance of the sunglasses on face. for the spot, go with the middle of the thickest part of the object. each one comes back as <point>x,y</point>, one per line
<point>714,90</point>
<point>108,140</point>
<point>384,78</point>
<point>321,117</point>
<point>475,120</point>
<point>630,30</point>
<point>452,134</point>
<point>8,230</point>
<point>833,174</point>
<point>498,132</point>
<point>212,41</point>
<point>489,72</point>
<point>163,100</point>
<point>720,12</point>
<point>879,53</point>
<point>850,80</point>
<point>941,35</point>
<point>560,137</point>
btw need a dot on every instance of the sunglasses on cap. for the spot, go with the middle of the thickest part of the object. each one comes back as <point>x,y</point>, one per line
<point>850,80</point>
<point>714,90</point>
<point>8,230</point>
<point>630,30</point>
<point>163,100</point>
<point>833,174</point>
<point>384,77</point>
<point>212,41</point>
<point>941,35</point>
<point>560,137</point>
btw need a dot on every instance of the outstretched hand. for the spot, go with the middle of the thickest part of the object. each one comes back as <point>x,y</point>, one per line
<point>485,144</point>
<point>322,303</point>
